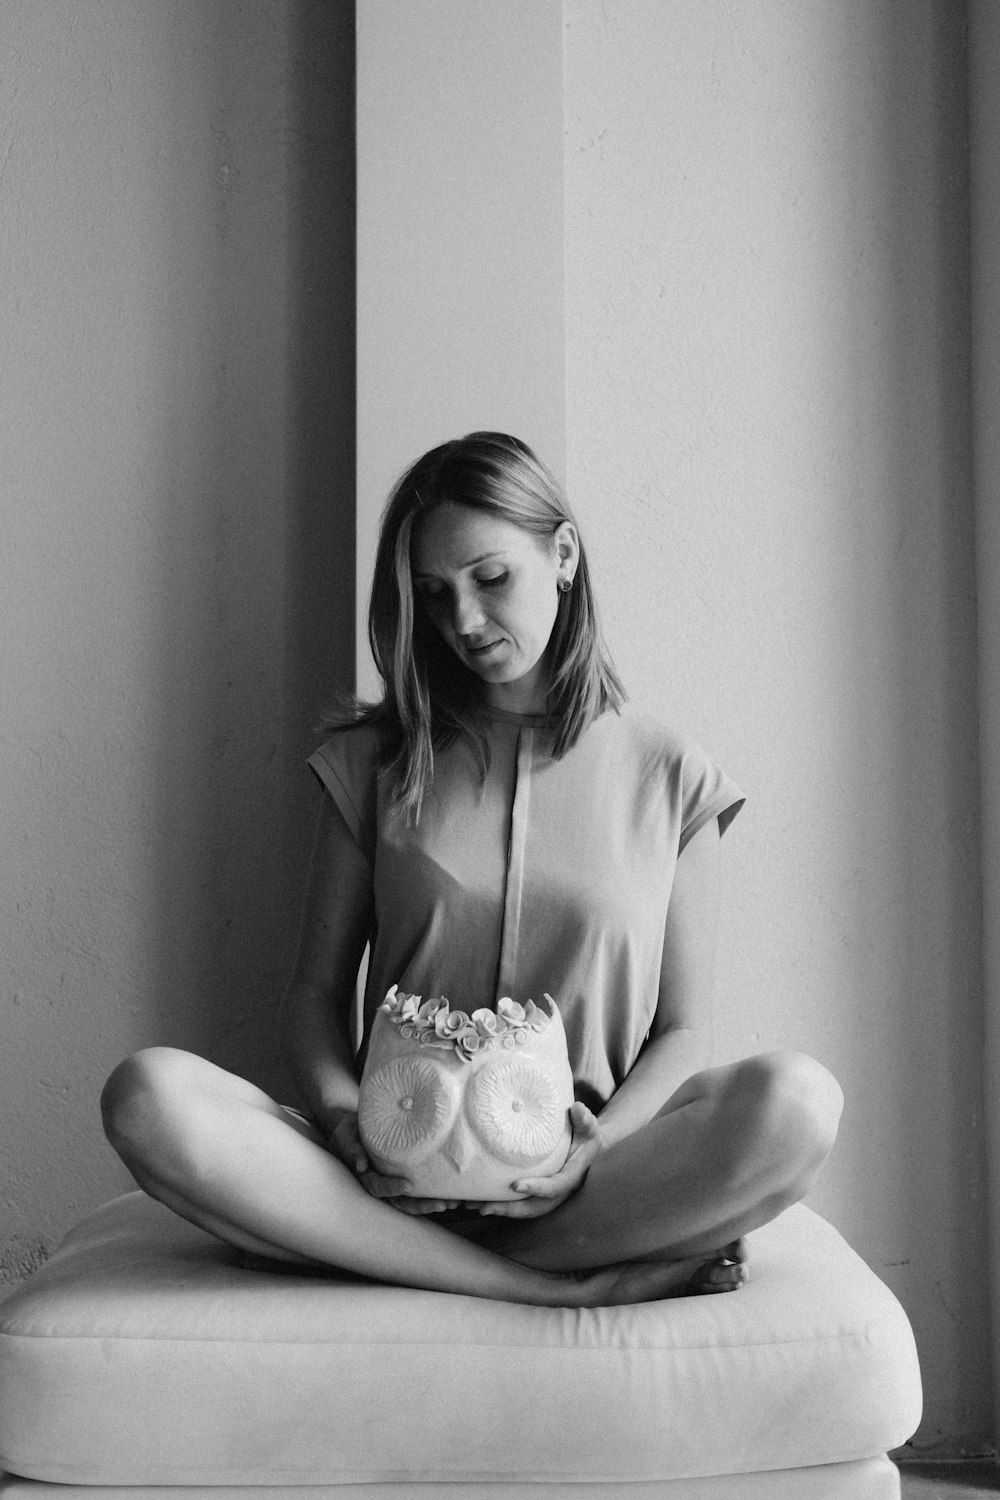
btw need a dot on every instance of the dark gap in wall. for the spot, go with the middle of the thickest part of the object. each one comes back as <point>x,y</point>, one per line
<point>322,518</point>
<point>257,586</point>
<point>322,481</point>
<point>319,583</point>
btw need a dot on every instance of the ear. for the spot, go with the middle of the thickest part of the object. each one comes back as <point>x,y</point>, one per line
<point>567,545</point>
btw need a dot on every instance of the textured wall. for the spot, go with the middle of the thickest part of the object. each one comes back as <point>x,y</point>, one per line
<point>176,475</point>
<point>768,407</point>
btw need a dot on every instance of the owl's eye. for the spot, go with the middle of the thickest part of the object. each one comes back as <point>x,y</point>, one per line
<point>406,1110</point>
<point>516,1113</point>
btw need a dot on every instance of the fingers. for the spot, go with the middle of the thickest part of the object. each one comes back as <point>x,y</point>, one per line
<point>584,1121</point>
<point>518,1208</point>
<point>560,1184</point>
<point>345,1142</point>
<point>556,1186</point>
<point>419,1206</point>
<point>383,1187</point>
<point>540,1196</point>
<point>503,1208</point>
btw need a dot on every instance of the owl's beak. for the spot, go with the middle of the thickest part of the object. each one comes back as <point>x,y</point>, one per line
<point>459,1151</point>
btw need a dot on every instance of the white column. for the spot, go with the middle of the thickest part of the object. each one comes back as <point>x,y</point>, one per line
<point>460,238</point>
<point>984,148</point>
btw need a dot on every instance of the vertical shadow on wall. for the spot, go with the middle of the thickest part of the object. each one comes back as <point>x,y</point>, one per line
<point>320,644</point>
<point>935,706</point>
<point>318,664</point>
<point>257,544</point>
<point>321,550</point>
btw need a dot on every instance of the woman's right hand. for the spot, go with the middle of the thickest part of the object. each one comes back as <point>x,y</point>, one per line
<point>343,1139</point>
<point>344,1142</point>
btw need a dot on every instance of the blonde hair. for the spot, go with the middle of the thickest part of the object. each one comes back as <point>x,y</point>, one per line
<point>430,697</point>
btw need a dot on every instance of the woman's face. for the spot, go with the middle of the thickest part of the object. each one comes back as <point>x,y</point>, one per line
<point>492,590</point>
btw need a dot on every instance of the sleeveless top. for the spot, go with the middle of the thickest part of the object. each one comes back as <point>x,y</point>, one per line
<point>546,876</point>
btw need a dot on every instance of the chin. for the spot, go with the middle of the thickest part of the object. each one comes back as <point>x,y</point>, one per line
<point>495,671</point>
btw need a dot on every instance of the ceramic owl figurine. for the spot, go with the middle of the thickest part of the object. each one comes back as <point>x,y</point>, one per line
<point>463,1105</point>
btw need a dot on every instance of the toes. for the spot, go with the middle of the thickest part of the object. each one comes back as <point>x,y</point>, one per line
<point>718,1276</point>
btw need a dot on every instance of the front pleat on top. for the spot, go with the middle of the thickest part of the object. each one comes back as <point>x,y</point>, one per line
<point>510,942</point>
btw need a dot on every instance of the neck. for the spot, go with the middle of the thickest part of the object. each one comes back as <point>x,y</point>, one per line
<point>528,695</point>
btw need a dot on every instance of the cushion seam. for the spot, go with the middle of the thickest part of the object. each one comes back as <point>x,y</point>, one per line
<point>574,1349</point>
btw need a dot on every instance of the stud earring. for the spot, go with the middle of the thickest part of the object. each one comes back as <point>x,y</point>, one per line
<point>565,584</point>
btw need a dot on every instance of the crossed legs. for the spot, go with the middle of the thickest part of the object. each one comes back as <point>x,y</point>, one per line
<point>732,1148</point>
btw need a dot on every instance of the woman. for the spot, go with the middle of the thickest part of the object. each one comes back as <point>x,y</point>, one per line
<point>498,826</point>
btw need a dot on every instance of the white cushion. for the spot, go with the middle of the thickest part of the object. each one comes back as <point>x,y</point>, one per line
<point>141,1354</point>
<point>864,1479</point>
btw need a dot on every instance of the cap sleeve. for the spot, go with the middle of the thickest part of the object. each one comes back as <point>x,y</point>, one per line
<point>706,793</point>
<point>346,765</point>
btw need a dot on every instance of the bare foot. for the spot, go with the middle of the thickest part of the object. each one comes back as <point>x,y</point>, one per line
<point>727,1272</point>
<point>651,1281</point>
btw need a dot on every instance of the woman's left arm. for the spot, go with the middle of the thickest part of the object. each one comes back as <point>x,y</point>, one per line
<point>679,1038</point>
<point>678,1041</point>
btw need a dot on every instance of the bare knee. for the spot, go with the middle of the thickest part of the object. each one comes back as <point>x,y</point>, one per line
<point>790,1107</point>
<point>144,1104</point>
<point>799,1097</point>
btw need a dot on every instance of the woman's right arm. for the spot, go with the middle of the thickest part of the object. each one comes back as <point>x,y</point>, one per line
<point>315,1022</point>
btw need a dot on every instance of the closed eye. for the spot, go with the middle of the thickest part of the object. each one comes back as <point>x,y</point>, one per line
<point>436,598</point>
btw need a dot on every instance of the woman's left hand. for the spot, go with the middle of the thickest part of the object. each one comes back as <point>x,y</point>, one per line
<point>546,1193</point>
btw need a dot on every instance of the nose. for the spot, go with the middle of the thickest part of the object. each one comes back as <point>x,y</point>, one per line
<point>467,613</point>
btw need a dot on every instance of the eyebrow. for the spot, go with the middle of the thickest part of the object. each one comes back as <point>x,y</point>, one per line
<point>472,563</point>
